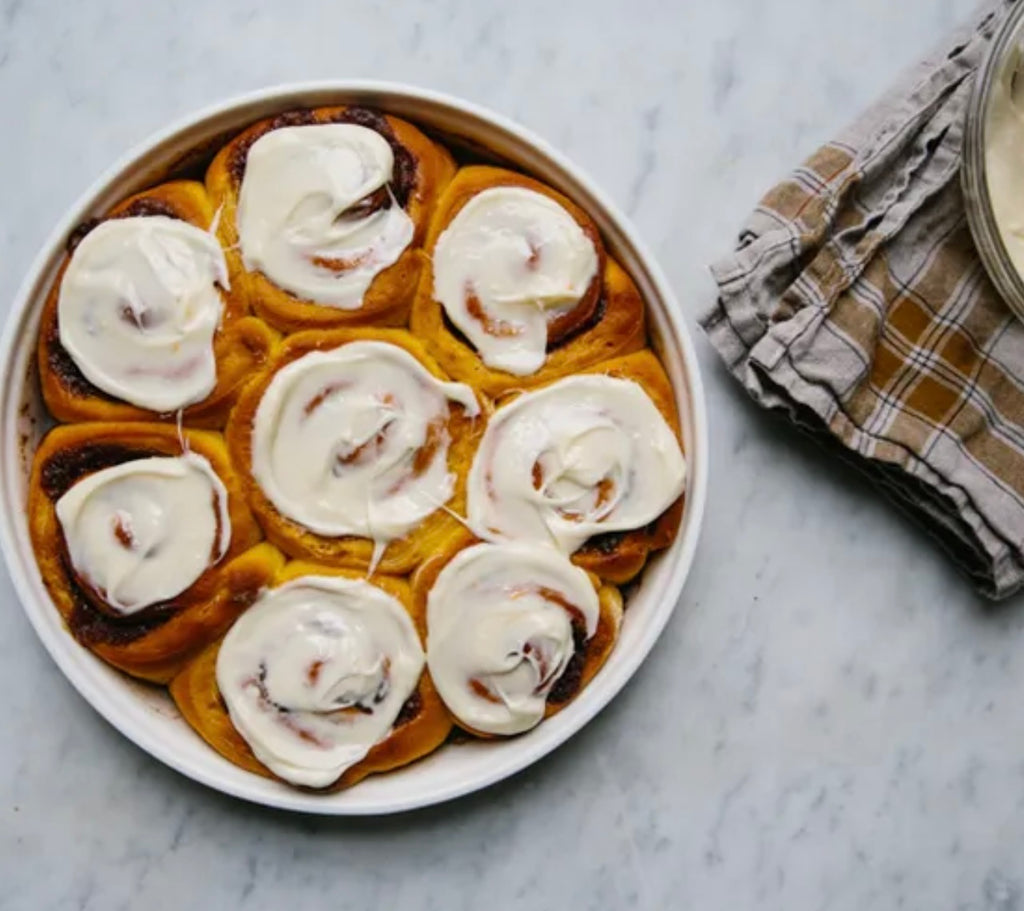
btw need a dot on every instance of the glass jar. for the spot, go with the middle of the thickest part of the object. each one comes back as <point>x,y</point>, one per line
<point>1000,80</point>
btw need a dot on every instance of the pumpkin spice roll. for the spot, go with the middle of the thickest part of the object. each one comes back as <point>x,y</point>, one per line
<point>322,214</point>
<point>320,683</point>
<point>517,289</point>
<point>591,465</point>
<point>354,448</point>
<point>514,633</point>
<point>143,322</point>
<point>144,541</point>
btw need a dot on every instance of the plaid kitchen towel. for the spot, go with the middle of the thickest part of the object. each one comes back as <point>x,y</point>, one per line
<point>856,304</point>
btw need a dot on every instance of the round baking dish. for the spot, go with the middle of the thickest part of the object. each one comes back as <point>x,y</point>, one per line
<point>1006,51</point>
<point>146,715</point>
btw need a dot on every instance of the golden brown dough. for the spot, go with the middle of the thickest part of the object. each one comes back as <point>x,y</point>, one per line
<point>438,531</point>
<point>590,654</point>
<point>619,556</point>
<point>422,725</point>
<point>156,642</point>
<point>241,344</point>
<point>422,170</point>
<point>608,321</point>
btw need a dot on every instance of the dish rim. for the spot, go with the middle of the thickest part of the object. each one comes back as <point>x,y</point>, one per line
<point>981,219</point>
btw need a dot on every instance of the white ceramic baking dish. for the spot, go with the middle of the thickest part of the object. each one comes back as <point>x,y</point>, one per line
<point>145,714</point>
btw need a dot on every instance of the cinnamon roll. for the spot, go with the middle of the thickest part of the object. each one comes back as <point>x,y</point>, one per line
<point>514,633</point>
<point>354,449</point>
<point>143,321</point>
<point>144,541</point>
<point>518,289</point>
<point>323,211</point>
<point>320,683</point>
<point>584,458</point>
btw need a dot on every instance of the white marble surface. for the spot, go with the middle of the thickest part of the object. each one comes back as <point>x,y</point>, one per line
<point>832,719</point>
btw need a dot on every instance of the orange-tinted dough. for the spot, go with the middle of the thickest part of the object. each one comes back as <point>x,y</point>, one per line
<point>156,642</point>
<point>422,725</point>
<point>241,343</point>
<point>419,162</point>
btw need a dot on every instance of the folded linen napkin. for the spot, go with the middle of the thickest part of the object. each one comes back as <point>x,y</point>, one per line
<point>855,303</point>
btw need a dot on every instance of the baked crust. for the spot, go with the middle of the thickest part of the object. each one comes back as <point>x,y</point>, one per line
<point>608,321</point>
<point>590,654</point>
<point>438,531</point>
<point>241,343</point>
<point>387,301</point>
<point>620,556</point>
<point>154,643</point>
<point>422,725</point>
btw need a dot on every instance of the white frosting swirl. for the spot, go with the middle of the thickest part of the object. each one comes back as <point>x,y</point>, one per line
<point>138,309</point>
<point>354,441</point>
<point>143,531</point>
<point>297,219</point>
<point>316,672</point>
<point>585,455</point>
<point>500,632</point>
<point>509,262</point>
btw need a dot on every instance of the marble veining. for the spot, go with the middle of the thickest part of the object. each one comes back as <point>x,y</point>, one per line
<point>831,720</point>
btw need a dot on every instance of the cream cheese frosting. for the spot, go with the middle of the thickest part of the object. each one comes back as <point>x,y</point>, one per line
<point>316,672</point>
<point>586,455</point>
<point>354,441</point>
<point>138,308</point>
<point>510,261</point>
<point>500,632</point>
<point>299,219</point>
<point>143,531</point>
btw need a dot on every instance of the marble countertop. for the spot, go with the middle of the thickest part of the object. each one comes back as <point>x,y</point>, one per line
<point>832,718</point>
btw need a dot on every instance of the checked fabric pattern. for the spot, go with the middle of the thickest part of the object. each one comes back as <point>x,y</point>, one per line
<point>856,305</point>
